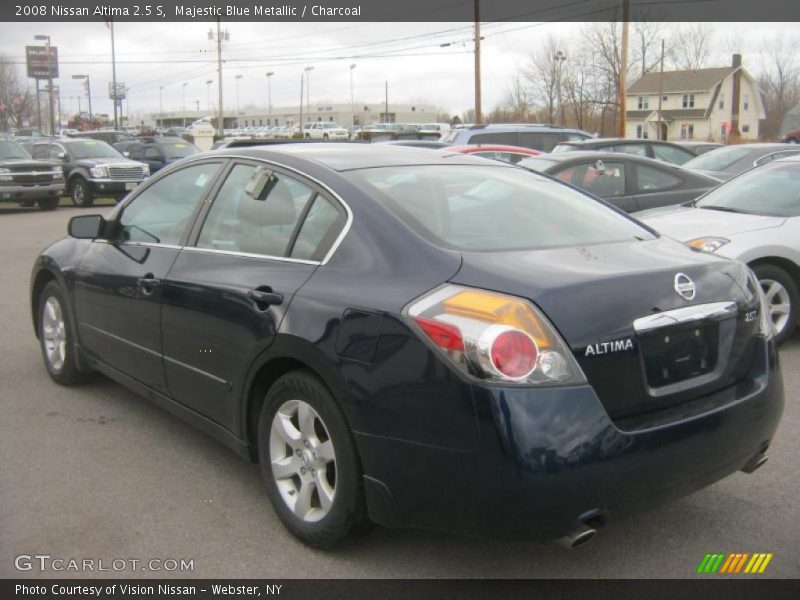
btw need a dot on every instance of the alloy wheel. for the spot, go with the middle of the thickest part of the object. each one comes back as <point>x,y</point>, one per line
<point>54,333</point>
<point>303,460</point>
<point>778,304</point>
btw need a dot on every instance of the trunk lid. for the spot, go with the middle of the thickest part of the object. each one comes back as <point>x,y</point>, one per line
<point>593,295</point>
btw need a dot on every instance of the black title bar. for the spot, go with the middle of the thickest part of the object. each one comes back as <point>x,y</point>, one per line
<point>402,10</point>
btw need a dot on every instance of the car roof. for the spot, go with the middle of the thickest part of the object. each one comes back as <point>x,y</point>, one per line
<point>601,141</point>
<point>351,156</point>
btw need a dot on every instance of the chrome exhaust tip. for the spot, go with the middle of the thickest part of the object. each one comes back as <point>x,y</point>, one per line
<point>754,463</point>
<point>580,536</point>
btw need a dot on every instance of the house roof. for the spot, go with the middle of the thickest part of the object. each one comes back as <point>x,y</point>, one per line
<point>700,80</point>
<point>668,115</point>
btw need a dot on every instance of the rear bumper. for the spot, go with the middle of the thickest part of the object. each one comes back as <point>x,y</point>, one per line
<point>551,458</point>
<point>22,193</point>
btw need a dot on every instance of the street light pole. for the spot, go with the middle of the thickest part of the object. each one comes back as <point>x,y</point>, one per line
<point>88,95</point>
<point>560,57</point>
<point>352,100</point>
<point>159,120</point>
<point>208,93</point>
<point>183,102</point>
<point>269,95</point>
<point>308,95</point>
<point>238,110</point>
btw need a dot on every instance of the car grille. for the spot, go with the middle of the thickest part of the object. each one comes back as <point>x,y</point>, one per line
<point>125,173</point>
<point>33,179</point>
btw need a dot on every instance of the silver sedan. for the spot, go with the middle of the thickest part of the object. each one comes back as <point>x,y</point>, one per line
<point>754,218</point>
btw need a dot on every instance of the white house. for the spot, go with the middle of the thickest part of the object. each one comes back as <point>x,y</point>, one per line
<point>696,105</point>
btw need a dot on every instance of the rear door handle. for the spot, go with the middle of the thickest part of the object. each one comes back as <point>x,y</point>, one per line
<point>148,284</point>
<point>263,299</point>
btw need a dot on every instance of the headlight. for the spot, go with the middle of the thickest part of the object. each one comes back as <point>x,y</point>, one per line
<point>765,327</point>
<point>494,337</point>
<point>146,170</point>
<point>99,172</point>
<point>707,244</point>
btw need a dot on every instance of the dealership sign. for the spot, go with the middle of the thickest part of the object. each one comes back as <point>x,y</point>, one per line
<point>119,93</point>
<point>42,65</point>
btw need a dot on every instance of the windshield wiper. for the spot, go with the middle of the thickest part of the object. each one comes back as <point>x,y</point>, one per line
<point>724,209</point>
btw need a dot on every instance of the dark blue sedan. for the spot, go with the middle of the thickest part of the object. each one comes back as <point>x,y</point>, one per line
<point>418,339</point>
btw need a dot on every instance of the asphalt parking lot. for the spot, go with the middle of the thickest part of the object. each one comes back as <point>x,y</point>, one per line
<point>95,472</point>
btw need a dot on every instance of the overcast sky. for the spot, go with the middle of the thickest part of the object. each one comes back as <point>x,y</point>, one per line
<point>408,55</point>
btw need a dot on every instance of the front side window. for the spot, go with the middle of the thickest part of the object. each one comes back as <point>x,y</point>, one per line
<point>635,149</point>
<point>161,212</point>
<point>239,223</point>
<point>493,208</point>
<point>771,190</point>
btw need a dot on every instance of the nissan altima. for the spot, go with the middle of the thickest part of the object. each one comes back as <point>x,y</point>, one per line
<point>418,340</point>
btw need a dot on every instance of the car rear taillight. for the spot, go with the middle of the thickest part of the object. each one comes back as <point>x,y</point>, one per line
<point>494,336</point>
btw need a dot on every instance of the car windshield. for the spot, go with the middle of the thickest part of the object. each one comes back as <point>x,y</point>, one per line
<point>487,208</point>
<point>772,190</point>
<point>93,149</point>
<point>178,150</point>
<point>718,160</point>
<point>11,149</point>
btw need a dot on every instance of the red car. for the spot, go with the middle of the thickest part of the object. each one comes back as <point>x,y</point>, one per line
<point>793,137</point>
<point>509,154</point>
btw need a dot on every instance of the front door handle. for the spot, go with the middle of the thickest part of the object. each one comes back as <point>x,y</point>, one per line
<point>148,284</point>
<point>264,298</point>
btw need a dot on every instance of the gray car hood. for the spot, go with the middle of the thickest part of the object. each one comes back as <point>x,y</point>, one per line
<point>688,223</point>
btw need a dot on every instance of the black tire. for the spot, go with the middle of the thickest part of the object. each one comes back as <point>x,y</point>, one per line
<point>49,203</point>
<point>67,373</point>
<point>346,513</point>
<point>793,140</point>
<point>308,136</point>
<point>81,193</point>
<point>767,272</point>
<point>325,137</point>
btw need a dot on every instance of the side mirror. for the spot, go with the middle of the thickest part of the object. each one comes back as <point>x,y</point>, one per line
<point>126,154</point>
<point>86,227</point>
<point>62,155</point>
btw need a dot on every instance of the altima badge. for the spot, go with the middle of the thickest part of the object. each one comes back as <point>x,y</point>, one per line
<point>684,286</point>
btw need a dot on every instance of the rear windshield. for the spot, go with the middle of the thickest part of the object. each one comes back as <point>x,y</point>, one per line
<point>178,150</point>
<point>487,208</point>
<point>718,160</point>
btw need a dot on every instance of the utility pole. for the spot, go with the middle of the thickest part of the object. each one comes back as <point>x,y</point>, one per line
<point>114,73</point>
<point>238,110</point>
<point>623,68</point>
<point>38,107</point>
<point>352,101</point>
<point>227,36</point>
<point>478,108</point>
<point>560,58</point>
<point>160,119</point>
<point>660,89</point>
<point>302,80</point>
<point>269,95</point>
<point>308,98</point>
<point>183,102</point>
<point>386,105</point>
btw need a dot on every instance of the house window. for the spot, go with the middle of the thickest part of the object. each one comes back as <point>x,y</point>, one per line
<point>687,131</point>
<point>664,98</point>
<point>721,104</point>
<point>643,102</point>
<point>745,128</point>
<point>723,130</point>
<point>688,101</point>
<point>641,132</point>
<point>746,102</point>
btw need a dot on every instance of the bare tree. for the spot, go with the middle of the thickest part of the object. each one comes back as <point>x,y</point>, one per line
<point>18,102</point>
<point>690,46</point>
<point>542,75</point>
<point>779,81</point>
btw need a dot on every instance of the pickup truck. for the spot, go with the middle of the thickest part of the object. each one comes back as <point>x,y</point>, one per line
<point>27,181</point>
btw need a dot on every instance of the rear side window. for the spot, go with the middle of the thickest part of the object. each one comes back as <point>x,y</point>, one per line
<point>494,208</point>
<point>503,138</point>
<point>652,179</point>
<point>719,159</point>
<point>635,149</point>
<point>238,223</point>
<point>670,154</point>
<point>320,229</point>
<point>539,140</point>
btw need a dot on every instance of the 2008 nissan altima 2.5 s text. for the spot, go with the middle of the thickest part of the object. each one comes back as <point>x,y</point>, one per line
<point>418,339</point>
